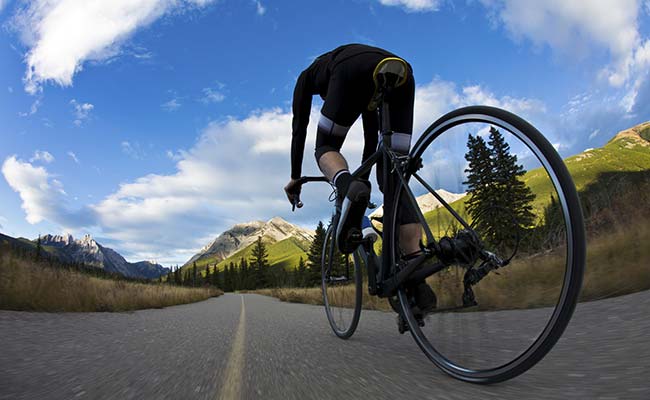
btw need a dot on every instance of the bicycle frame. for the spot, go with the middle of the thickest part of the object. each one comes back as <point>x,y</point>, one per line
<point>396,169</point>
<point>389,278</point>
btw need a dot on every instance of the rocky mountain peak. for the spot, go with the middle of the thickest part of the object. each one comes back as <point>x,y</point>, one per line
<point>640,134</point>
<point>57,240</point>
<point>241,235</point>
<point>87,251</point>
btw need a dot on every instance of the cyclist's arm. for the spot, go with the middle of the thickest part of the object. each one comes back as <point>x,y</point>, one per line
<point>301,110</point>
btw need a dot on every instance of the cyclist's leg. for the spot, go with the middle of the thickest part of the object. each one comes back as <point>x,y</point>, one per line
<point>340,110</point>
<point>337,115</point>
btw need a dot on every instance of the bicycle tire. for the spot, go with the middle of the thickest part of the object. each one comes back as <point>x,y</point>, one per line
<point>330,296</point>
<point>576,251</point>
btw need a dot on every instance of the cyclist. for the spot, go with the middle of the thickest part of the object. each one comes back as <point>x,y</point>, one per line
<point>343,78</point>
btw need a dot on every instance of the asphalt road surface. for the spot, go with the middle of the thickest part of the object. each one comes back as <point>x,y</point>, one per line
<point>250,346</point>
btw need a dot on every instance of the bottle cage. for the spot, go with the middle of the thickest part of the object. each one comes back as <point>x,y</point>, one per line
<point>391,72</point>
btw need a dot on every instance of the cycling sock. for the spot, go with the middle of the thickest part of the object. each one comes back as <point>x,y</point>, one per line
<point>342,181</point>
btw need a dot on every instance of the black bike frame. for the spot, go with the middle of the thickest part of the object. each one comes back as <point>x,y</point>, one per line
<point>395,177</point>
<point>395,170</point>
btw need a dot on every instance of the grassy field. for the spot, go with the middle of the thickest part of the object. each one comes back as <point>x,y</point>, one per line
<point>617,263</point>
<point>27,285</point>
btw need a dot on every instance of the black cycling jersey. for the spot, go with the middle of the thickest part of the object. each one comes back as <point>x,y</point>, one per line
<point>343,78</point>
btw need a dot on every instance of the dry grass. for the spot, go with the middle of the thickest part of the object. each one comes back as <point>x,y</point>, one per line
<point>617,263</point>
<point>342,296</point>
<point>25,285</point>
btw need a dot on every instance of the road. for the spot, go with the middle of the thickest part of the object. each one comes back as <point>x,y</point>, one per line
<point>250,346</point>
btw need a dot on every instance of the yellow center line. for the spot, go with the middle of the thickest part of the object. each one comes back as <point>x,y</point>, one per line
<point>232,383</point>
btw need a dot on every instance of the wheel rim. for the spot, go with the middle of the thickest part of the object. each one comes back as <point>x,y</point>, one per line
<point>341,288</point>
<point>445,355</point>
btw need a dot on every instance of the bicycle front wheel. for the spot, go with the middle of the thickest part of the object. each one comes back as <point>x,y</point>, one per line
<point>505,186</point>
<point>341,286</point>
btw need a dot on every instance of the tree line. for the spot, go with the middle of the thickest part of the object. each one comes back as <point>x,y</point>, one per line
<point>255,272</point>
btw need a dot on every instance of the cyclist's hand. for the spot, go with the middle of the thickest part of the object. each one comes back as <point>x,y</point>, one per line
<point>293,192</point>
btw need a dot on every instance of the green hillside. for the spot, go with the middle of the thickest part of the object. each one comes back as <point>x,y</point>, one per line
<point>627,152</point>
<point>285,253</point>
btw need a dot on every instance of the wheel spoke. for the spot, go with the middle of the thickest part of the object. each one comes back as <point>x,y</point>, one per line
<point>496,312</point>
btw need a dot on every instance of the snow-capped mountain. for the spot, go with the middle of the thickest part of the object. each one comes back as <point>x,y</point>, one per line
<point>89,252</point>
<point>428,202</point>
<point>241,235</point>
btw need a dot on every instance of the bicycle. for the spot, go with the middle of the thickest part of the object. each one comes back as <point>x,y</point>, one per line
<point>506,329</point>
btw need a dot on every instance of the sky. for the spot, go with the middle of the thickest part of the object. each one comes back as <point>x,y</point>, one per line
<point>155,125</point>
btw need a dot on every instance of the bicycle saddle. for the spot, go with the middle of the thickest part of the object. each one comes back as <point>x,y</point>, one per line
<point>391,72</point>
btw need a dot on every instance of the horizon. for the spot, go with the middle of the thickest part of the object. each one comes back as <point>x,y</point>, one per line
<point>158,137</point>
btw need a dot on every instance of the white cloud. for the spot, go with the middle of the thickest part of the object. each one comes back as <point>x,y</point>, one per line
<point>43,156</point>
<point>175,156</point>
<point>438,97</point>
<point>43,197</point>
<point>63,34</point>
<point>574,27</point>
<point>81,112</point>
<point>213,95</point>
<point>73,156</point>
<point>594,134</point>
<point>132,150</point>
<point>413,5</point>
<point>571,25</point>
<point>171,105</point>
<point>33,109</point>
<point>261,10</point>
<point>3,3</point>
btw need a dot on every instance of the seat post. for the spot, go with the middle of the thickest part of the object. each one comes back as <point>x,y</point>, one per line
<point>384,123</point>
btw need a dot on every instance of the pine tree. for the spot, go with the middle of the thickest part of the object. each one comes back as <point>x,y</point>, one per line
<point>38,248</point>
<point>301,274</point>
<point>206,279</point>
<point>500,202</point>
<point>178,278</point>
<point>314,256</point>
<point>259,261</point>
<point>244,274</point>
<point>187,280</point>
<point>214,277</point>
<point>479,177</point>
<point>194,280</point>
<point>507,174</point>
<point>235,276</point>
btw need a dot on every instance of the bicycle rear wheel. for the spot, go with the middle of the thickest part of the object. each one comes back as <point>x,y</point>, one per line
<point>341,286</point>
<point>515,193</point>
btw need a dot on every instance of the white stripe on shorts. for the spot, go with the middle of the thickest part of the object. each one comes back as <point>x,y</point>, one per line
<point>401,142</point>
<point>332,127</point>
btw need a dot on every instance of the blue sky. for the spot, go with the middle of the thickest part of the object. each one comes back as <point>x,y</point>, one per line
<point>156,124</point>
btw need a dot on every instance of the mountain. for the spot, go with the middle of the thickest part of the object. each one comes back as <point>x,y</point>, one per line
<point>89,252</point>
<point>427,201</point>
<point>285,242</point>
